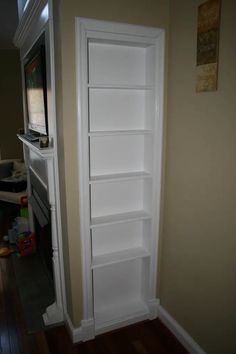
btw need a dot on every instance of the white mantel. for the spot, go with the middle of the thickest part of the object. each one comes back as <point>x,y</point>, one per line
<point>44,153</point>
<point>37,18</point>
<point>44,170</point>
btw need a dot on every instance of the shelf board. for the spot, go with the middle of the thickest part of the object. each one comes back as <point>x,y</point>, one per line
<point>45,153</point>
<point>120,256</point>
<point>120,312</point>
<point>120,87</point>
<point>119,218</point>
<point>119,177</point>
<point>119,132</point>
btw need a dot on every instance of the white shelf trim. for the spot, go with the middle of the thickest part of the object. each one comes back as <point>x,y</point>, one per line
<point>119,218</point>
<point>119,177</point>
<point>120,87</point>
<point>120,256</point>
<point>119,132</point>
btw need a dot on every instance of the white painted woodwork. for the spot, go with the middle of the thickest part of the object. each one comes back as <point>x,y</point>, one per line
<point>119,177</point>
<point>34,21</point>
<point>42,163</point>
<point>119,218</point>
<point>110,239</point>
<point>179,332</point>
<point>127,153</point>
<point>119,197</point>
<point>126,106</point>
<point>119,290</point>
<point>120,98</point>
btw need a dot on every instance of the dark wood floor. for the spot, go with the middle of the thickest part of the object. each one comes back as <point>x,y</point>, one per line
<point>149,337</point>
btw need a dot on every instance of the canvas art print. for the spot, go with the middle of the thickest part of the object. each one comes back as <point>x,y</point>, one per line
<point>208,45</point>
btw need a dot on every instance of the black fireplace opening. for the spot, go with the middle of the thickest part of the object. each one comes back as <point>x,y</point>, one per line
<point>42,222</point>
<point>34,274</point>
<point>44,245</point>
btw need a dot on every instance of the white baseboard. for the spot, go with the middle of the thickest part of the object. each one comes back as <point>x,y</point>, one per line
<point>87,329</point>
<point>80,334</point>
<point>121,322</point>
<point>149,312</point>
<point>53,314</point>
<point>75,333</point>
<point>184,338</point>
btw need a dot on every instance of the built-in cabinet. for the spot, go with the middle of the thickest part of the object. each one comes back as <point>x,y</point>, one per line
<point>120,90</point>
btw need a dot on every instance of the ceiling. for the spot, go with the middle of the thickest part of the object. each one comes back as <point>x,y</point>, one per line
<point>8,23</point>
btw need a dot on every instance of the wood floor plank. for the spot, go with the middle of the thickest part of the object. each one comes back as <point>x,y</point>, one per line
<point>149,337</point>
<point>19,340</point>
<point>7,331</point>
<point>145,338</point>
<point>140,349</point>
<point>41,343</point>
<point>11,313</point>
<point>59,341</point>
<point>4,337</point>
<point>170,342</point>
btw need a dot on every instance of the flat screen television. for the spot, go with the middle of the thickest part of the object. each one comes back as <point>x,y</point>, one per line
<point>36,90</point>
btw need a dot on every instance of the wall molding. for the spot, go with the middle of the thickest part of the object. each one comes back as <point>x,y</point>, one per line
<point>27,21</point>
<point>184,338</point>
<point>80,334</point>
<point>87,329</point>
<point>75,333</point>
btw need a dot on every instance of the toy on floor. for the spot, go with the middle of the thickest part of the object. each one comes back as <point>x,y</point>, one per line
<point>26,244</point>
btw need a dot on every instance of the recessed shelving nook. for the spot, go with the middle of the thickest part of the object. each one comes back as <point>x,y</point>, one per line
<point>120,98</point>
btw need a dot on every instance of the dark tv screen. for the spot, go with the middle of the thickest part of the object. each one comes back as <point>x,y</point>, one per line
<point>36,92</point>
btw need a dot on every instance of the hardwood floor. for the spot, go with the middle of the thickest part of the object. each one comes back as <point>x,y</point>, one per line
<point>13,336</point>
<point>149,337</point>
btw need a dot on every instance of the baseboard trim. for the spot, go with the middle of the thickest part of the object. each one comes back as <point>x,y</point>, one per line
<point>53,314</point>
<point>184,338</point>
<point>120,323</point>
<point>75,333</point>
<point>80,334</point>
<point>87,329</point>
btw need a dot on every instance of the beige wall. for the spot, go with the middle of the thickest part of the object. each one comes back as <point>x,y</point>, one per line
<point>152,13</point>
<point>198,273</point>
<point>11,114</point>
<point>198,268</point>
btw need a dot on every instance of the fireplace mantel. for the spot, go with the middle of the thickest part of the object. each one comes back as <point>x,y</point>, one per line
<point>36,19</point>
<point>42,163</point>
<point>44,153</point>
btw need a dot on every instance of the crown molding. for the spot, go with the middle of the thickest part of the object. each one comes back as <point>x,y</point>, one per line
<point>29,18</point>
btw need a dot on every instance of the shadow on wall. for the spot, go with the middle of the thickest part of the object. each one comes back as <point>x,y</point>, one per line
<point>11,110</point>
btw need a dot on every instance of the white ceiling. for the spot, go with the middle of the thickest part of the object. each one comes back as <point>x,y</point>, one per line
<point>8,23</point>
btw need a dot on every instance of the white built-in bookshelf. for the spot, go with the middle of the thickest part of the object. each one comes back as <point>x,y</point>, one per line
<point>120,90</point>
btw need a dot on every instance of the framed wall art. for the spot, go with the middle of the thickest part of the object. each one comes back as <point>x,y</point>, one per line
<point>208,46</point>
